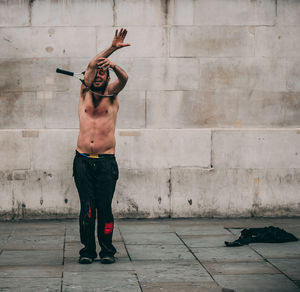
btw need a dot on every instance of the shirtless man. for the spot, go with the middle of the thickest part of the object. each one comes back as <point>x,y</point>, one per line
<point>95,168</point>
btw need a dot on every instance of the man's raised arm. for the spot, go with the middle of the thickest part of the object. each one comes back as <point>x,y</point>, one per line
<point>117,43</point>
<point>116,86</point>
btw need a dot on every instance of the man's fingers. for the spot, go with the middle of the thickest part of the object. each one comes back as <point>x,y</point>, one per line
<point>103,60</point>
<point>104,64</point>
<point>116,32</point>
<point>101,64</point>
<point>105,68</point>
<point>124,33</point>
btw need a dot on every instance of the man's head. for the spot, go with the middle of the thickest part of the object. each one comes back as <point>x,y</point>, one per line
<point>101,79</point>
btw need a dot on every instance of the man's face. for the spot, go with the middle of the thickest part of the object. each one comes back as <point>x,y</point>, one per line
<point>100,78</point>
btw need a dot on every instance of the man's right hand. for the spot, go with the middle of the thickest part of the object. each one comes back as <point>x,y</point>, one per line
<point>118,41</point>
<point>105,63</point>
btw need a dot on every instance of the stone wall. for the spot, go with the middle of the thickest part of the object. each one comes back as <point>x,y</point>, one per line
<point>209,122</point>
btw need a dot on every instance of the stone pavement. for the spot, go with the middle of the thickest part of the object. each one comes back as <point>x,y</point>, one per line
<point>185,255</point>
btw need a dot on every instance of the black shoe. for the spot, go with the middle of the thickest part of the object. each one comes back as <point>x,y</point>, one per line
<point>85,260</point>
<point>108,260</point>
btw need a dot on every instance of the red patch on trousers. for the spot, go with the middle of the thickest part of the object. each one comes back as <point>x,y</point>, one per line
<point>108,228</point>
<point>83,222</point>
<point>90,212</point>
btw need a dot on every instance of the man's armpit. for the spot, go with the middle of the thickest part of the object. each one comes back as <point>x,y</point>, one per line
<point>83,91</point>
<point>115,87</point>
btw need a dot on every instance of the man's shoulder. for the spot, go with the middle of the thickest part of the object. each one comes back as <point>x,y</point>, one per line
<point>83,91</point>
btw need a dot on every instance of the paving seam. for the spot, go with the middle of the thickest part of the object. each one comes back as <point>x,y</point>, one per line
<point>197,259</point>
<point>63,261</point>
<point>138,280</point>
<point>266,260</point>
<point>135,273</point>
<point>124,244</point>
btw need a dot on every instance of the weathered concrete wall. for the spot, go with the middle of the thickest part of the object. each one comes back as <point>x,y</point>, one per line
<point>209,122</point>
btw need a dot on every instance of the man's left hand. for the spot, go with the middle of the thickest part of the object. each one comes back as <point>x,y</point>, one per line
<point>105,63</point>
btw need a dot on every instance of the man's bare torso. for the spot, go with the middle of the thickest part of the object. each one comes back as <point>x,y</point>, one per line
<point>97,123</point>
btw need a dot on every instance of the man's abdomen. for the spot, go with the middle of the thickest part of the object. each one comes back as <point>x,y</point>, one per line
<point>93,139</point>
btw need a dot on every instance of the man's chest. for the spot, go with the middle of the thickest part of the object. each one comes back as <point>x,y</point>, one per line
<point>98,107</point>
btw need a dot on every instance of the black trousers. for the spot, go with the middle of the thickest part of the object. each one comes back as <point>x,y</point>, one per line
<point>95,179</point>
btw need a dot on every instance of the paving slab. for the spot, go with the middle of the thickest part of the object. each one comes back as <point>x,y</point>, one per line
<point>195,221</point>
<point>148,221</point>
<point>171,271</point>
<point>3,239</point>
<point>162,257</point>
<point>294,229</point>
<point>238,268</point>
<point>292,220</point>
<point>73,238</point>
<point>117,281</point>
<point>40,242</point>
<point>39,229</point>
<point>201,230</point>
<point>207,240</point>
<point>142,228</point>
<point>257,283</point>
<point>72,249</point>
<point>31,258</point>
<point>290,267</point>
<point>30,284</point>
<point>31,272</point>
<point>72,229</point>
<point>117,235</point>
<point>277,250</point>
<point>295,225</point>
<point>221,254</point>
<point>247,223</point>
<point>6,227</point>
<point>151,238</point>
<point>158,252</point>
<point>181,287</point>
<point>222,222</point>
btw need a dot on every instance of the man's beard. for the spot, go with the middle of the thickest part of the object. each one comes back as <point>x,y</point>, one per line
<point>100,89</point>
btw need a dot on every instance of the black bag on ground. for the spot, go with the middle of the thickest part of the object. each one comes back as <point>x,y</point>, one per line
<point>265,234</point>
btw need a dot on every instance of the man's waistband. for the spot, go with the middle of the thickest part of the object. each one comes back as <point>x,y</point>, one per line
<point>95,155</point>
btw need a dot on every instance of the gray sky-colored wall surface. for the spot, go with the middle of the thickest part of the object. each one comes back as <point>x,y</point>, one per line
<point>209,122</point>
